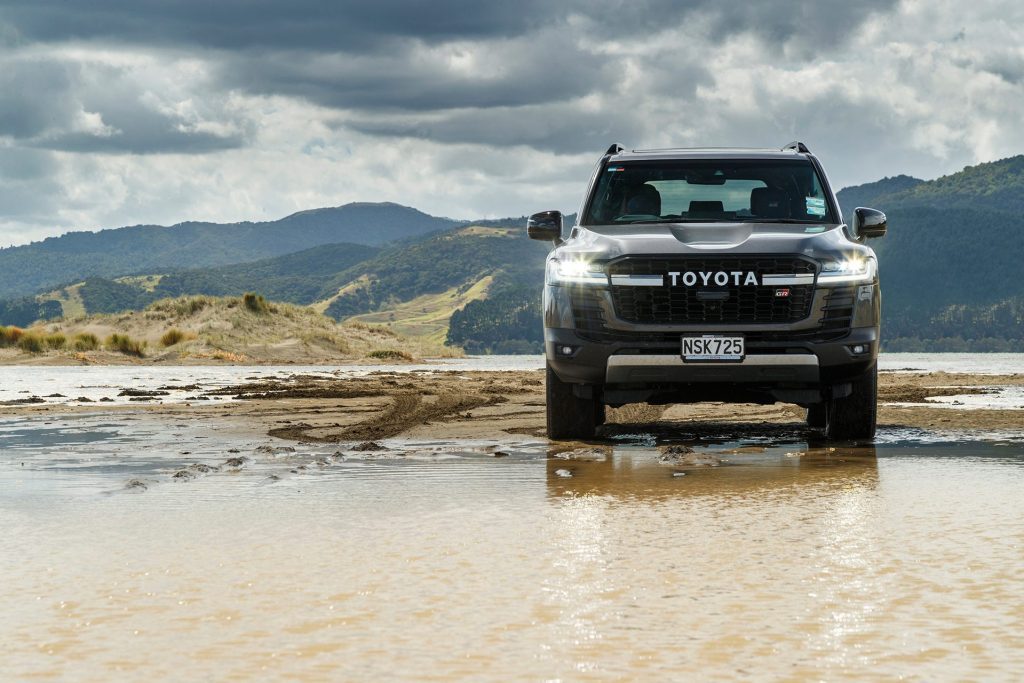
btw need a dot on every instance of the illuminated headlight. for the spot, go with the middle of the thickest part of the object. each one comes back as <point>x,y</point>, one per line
<point>575,271</point>
<point>852,269</point>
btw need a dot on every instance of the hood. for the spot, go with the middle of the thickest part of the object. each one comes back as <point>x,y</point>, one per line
<point>698,239</point>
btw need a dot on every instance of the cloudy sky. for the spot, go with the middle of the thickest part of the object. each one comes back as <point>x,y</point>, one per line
<point>118,112</point>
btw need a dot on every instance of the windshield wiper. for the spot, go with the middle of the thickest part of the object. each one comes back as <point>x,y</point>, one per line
<point>781,220</point>
<point>679,220</point>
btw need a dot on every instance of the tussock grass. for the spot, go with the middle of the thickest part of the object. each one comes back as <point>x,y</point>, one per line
<point>9,336</point>
<point>256,303</point>
<point>171,337</point>
<point>55,341</point>
<point>182,306</point>
<point>226,329</point>
<point>122,343</point>
<point>85,341</point>
<point>31,343</point>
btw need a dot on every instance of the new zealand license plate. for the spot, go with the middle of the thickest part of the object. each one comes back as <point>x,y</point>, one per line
<point>709,348</point>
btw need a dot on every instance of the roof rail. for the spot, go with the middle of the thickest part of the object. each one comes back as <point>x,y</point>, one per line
<point>615,149</point>
<point>797,146</point>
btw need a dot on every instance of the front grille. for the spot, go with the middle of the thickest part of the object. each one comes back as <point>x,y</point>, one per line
<point>838,309</point>
<point>681,305</point>
<point>587,314</point>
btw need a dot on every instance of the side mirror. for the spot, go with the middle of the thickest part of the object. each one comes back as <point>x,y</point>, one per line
<point>868,223</point>
<point>546,225</point>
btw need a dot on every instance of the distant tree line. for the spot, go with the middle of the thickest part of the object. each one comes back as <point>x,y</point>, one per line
<point>25,311</point>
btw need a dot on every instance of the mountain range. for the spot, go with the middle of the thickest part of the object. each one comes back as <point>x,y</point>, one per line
<point>949,266</point>
<point>138,249</point>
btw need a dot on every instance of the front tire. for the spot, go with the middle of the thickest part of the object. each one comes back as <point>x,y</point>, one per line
<point>816,418</point>
<point>568,416</point>
<point>854,416</point>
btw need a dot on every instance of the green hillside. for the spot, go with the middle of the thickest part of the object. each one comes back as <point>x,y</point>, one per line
<point>76,256</point>
<point>950,261</point>
<point>298,278</point>
<point>870,194</point>
<point>403,272</point>
<point>413,286</point>
<point>949,268</point>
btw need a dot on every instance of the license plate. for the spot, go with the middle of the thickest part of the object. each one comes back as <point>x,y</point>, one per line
<point>710,348</point>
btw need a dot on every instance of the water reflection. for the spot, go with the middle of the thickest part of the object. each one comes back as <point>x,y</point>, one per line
<point>626,472</point>
<point>706,532</point>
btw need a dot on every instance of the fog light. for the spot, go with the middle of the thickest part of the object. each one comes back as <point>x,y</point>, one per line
<point>566,350</point>
<point>859,349</point>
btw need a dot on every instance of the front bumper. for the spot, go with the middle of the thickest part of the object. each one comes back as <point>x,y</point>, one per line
<point>803,362</point>
<point>644,368</point>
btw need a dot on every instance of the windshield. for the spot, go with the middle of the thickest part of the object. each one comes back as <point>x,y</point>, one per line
<point>784,190</point>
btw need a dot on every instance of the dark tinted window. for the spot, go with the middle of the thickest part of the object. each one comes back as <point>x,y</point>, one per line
<point>721,190</point>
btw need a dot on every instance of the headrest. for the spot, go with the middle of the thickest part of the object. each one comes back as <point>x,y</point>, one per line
<point>768,202</point>
<point>706,207</point>
<point>645,201</point>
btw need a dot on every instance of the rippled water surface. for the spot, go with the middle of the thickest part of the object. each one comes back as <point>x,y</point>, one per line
<point>441,561</point>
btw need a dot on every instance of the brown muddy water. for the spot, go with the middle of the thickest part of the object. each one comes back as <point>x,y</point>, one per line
<point>134,549</point>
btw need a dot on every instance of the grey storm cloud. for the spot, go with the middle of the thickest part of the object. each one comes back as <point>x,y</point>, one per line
<point>369,57</point>
<point>153,110</point>
<point>34,98</point>
<point>307,24</point>
<point>355,25</point>
<point>58,104</point>
<point>403,80</point>
<point>561,128</point>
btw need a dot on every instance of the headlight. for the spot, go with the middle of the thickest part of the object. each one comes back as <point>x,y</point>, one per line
<point>575,271</point>
<point>851,269</point>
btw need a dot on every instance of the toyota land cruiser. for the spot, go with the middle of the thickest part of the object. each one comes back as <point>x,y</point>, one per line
<point>711,275</point>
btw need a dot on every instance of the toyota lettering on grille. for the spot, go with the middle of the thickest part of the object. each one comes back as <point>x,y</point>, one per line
<point>706,278</point>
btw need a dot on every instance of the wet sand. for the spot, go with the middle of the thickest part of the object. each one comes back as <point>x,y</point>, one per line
<point>418,527</point>
<point>460,405</point>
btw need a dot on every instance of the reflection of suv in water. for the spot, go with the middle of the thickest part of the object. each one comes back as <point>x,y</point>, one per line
<point>711,275</point>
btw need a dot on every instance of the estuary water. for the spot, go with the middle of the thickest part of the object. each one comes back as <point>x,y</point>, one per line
<point>165,547</point>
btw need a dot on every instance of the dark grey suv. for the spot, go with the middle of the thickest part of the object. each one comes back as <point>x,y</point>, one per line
<point>711,275</point>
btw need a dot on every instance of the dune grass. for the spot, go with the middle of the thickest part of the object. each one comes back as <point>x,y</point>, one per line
<point>55,341</point>
<point>9,336</point>
<point>256,303</point>
<point>85,341</point>
<point>31,343</point>
<point>182,306</point>
<point>122,343</point>
<point>171,337</point>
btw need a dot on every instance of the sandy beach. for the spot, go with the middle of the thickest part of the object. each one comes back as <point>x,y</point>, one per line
<point>471,405</point>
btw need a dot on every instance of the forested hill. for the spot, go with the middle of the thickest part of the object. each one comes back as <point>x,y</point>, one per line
<point>949,266</point>
<point>993,186</point>
<point>950,263</point>
<point>149,248</point>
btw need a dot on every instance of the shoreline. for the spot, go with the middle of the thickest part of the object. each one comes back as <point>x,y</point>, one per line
<point>450,403</point>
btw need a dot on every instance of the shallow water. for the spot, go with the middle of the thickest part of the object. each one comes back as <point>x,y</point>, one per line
<point>440,561</point>
<point>97,383</point>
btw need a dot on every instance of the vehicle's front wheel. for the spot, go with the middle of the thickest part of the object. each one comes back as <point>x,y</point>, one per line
<point>816,416</point>
<point>853,416</point>
<point>570,417</point>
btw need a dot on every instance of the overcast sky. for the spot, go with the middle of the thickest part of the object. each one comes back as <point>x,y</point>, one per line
<point>119,112</point>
